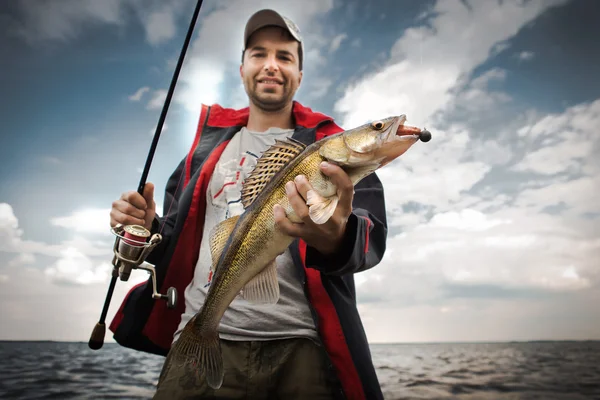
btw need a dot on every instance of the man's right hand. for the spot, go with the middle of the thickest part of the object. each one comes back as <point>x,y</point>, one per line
<point>134,209</point>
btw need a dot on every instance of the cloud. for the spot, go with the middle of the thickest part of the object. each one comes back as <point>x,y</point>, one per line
<point>79,260</point>
<point>10,234</point>
<point>420,86</point>
<point>88,221</point>
<point>75,259</point>
<point>526,55</point>
<point>160,26</point>
<point>74,267</point>
<point>64,20</point>
<point>67,20</point>
<point>480,269</point>
<point>319,87</point>
<point>137,96</point>
<point>477,96</point>
<point>464,251</point>
<point>484,227</point>
<point>489,235</point>
<point>158,99</point>
<point>34,307</point>
<point>203,76</point>
<point>22,259</point>
<point>337,41</point>
<point>93,220</point>
<point>152,132</point>
<point>566,142</point>
<point>42,280</point>
<point>434,173</point>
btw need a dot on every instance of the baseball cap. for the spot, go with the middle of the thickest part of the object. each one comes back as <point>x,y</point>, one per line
<point>267,17</point>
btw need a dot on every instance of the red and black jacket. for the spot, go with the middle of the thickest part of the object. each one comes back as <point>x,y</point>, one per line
<point>145,324</point>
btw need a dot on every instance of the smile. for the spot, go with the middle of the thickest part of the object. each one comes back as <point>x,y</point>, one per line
<point>269,82</point>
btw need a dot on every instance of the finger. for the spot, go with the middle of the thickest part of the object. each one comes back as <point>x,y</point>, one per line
<point>297,202</point>
<point>302,185</point>
<point>284,224</point>
<point>118,217</point>
<point>149,194</point>
<point>343,183</point>
<point>128,209</point>
<point>135,199</point>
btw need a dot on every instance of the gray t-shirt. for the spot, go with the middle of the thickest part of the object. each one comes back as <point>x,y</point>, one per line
<point>290,317</point>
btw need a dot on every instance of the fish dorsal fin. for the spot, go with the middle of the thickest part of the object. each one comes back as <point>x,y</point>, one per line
<point>271,162</point>
<point>218,238</point>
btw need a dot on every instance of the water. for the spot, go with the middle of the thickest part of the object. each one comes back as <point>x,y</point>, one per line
<point>535,370</point>
<point>545,370</point>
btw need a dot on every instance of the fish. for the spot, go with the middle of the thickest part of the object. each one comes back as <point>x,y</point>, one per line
<point>244,248</point>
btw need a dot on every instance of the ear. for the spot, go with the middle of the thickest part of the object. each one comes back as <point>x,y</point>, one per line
<point>242,71</point>
<point>300,78</point>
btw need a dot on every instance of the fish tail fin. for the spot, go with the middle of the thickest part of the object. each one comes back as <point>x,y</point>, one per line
<point>212,360</point>
<point>203,351</point>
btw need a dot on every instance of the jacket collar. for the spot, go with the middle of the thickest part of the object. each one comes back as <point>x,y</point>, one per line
<point>220,117</point>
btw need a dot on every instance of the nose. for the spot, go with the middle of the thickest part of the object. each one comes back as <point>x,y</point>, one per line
<point>271,63</point>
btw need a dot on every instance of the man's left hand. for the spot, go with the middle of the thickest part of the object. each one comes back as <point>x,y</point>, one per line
<point>325,238</point>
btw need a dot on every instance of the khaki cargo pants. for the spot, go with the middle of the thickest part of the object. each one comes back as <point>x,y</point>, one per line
<point>272,369</point>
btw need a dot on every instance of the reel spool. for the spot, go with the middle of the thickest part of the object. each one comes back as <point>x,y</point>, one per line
<point>130,251</point>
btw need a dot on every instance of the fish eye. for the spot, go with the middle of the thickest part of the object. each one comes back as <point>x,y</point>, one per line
<point>377,125</point>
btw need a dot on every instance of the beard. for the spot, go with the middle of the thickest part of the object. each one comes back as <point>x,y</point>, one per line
<point>269,99</point>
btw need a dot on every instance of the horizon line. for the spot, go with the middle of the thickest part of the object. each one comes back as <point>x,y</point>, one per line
<point>370,343</point>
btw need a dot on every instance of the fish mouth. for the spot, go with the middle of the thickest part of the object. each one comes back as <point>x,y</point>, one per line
<point>407,133</point>
<point>410,133</point>
<point>399,138</point>
<point>403,132</point>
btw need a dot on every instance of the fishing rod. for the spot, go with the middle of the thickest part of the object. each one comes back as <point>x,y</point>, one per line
<point>131,245</point>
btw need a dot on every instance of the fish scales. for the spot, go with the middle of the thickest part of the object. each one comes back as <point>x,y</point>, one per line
<point>252,245</point>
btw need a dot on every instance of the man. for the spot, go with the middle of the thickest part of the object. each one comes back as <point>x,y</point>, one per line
<point>311,344</point>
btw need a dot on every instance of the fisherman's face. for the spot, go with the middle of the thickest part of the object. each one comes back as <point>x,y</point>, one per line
<point>271,69</point>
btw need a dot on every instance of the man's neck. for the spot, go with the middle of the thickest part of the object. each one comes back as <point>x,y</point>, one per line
<point>260,120</point>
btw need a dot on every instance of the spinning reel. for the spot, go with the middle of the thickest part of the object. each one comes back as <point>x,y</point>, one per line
<point>130,252</point>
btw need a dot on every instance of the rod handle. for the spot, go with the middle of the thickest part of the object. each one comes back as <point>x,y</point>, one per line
<point>97,337</point>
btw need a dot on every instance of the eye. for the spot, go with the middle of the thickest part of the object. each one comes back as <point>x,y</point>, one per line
<point>377,125</point>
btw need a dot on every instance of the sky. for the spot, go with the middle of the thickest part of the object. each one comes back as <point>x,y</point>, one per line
<point>494,225</point>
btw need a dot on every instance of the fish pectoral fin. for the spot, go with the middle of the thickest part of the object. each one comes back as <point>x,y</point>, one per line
<point>321,208</point>
<point>218,238</point>
<point>264,287</point>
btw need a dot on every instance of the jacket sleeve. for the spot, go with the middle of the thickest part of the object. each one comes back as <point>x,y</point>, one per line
<point>364,243</point>
<point>165,224</point>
